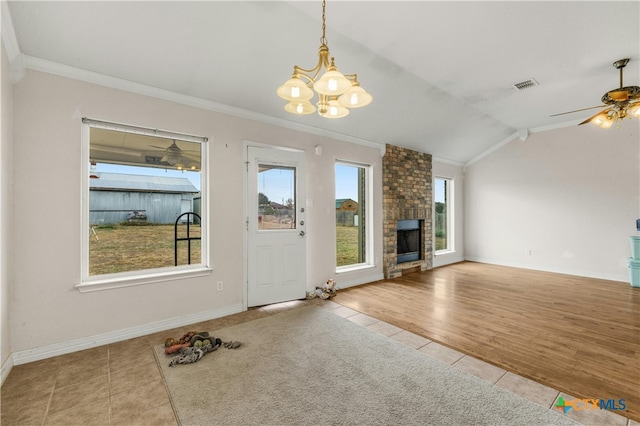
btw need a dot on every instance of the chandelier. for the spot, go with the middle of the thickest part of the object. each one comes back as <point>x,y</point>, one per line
<point>337,93</point>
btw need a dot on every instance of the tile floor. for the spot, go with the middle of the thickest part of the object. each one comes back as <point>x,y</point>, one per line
<point>121,384</point>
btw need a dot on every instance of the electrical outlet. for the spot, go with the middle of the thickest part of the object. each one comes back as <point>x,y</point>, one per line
<point>219,286</point>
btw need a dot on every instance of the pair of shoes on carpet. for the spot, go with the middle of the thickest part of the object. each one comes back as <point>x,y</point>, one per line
<point>203,340</point>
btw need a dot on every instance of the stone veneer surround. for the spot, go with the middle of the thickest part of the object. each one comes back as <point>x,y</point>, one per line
<point>407,193</point>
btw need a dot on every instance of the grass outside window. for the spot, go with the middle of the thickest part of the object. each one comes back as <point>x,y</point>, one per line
<point>124,248</point>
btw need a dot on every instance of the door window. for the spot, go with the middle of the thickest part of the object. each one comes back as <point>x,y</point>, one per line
<point>276,197</point>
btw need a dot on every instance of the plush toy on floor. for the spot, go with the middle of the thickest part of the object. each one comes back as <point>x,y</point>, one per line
<point>329,287</point>
<point>327,290</point>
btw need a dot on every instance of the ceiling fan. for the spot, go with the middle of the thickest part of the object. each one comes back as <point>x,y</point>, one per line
<point>619,103</point>
<point>175,156</point>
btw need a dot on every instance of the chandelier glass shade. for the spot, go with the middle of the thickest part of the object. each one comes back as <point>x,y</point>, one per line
<point>337,93</point>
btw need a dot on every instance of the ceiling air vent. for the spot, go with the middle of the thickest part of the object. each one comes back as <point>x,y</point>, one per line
<point>525,84</point>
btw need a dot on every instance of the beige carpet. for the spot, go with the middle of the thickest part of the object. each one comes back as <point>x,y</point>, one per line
<point>307,366</point>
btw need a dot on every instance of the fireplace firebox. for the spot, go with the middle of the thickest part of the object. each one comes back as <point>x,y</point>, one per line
<point>409,240</point>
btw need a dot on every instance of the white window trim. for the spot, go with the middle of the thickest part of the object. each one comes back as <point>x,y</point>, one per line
<point>369,261</point>
<point>354,267</point>
<point>148,276</point>
<point>450,217</point>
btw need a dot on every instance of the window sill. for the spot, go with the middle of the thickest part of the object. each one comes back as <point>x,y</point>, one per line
<point>443,252</point>
<point>353,268</point>
<point>109,282</point>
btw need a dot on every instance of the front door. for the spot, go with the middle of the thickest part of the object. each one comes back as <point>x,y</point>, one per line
<point>276,243</point>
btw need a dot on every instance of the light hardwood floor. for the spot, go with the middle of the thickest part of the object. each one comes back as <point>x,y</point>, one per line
<point>578,335</point>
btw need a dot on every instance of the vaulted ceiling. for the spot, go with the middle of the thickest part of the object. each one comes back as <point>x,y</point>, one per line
<point>442,74</point>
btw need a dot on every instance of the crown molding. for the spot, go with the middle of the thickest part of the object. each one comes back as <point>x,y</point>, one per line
<point>520,135</point>
<point>556,126</point>
<point>495,147</point>
<point>9,38</point>
<point>67,71</point>
<point>10,43</point>
<point>446,161</point>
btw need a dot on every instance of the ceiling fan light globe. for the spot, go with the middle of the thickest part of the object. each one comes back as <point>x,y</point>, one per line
<point>603,121</point>
<point>635,110</point>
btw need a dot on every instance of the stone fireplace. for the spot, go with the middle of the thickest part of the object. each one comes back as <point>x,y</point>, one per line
<point>407,198</point>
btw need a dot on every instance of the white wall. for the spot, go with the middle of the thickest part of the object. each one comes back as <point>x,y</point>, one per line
<point>48,311</point>
<point>564,201</point>
<point>447,170</point>
<point>5,211</point>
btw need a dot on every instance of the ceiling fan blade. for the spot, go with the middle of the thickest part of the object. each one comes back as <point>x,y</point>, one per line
<point>594,116</point>
<point>115,150</point>
<point>193,155</point>
<point>159,147</point>
<point>578,110</point>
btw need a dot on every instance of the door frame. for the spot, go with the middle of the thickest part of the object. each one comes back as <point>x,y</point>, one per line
<point>245,212</point>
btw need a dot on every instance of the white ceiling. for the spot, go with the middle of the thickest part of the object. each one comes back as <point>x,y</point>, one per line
<point>441,73</point>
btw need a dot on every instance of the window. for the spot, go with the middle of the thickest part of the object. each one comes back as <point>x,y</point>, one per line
<point>443,214</point>
<point>143,202</point>
<point>353,242</point>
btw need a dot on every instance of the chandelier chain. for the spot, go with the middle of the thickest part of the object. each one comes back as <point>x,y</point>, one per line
<point>323,39</point>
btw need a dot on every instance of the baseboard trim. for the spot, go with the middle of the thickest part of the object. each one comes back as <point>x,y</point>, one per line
<point>7,365</point>
<point>43,352</point>
<point>448,260</point>
<point>352,283</point>
<point>578,273</point>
